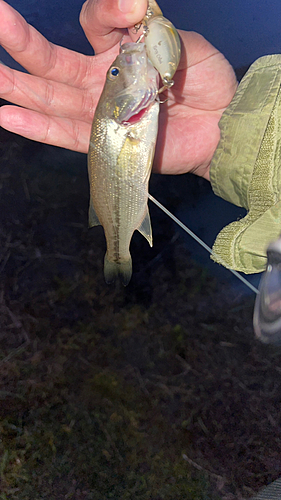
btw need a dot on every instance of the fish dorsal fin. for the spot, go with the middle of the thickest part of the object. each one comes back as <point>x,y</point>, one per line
<point>145,228</point>
<point>93,218</point>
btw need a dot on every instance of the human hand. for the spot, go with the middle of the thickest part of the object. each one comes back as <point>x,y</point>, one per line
<point>56,101</point>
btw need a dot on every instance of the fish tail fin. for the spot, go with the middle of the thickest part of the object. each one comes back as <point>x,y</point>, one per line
<point>114,269</point>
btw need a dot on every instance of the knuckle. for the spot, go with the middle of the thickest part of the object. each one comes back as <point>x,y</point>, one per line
<point>49,95</point>
<point>83,16</point>
<point>88,13</point>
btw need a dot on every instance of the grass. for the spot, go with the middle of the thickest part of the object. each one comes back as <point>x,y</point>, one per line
<point>155,391</point>
<point>70,429</point>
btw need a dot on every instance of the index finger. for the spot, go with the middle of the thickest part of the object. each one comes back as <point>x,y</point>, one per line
<point>35,53</point>
<point>105,21</point>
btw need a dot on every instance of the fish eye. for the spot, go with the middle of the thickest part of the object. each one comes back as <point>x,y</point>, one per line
<point>113,73</point>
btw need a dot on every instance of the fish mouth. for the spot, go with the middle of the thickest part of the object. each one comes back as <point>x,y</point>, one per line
<point>136,109</point>
<point>135,117</point>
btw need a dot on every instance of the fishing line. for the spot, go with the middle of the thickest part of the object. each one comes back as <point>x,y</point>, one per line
<point>202,243</point>
<point>28,91</point>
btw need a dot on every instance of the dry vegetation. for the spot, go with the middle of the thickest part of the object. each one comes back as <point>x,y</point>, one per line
<point>157,391</point>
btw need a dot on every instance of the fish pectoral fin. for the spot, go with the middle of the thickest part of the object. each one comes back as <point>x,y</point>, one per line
<point>145,228</point>
<point>93,218</point>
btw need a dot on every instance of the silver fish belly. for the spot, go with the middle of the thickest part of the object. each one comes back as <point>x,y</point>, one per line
<point>119,164</point>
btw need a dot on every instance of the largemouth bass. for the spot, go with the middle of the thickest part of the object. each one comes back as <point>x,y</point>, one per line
<point>121,153</point>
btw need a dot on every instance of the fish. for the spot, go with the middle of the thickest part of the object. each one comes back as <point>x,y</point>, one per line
<point>120,157</point>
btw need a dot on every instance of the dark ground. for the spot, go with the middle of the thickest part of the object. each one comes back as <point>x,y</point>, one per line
<point>150,392</point>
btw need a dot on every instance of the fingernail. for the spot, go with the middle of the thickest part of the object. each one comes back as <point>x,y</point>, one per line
<point>126,6</point>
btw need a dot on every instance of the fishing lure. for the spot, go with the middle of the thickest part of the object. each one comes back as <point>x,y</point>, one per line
<point>162,43</point>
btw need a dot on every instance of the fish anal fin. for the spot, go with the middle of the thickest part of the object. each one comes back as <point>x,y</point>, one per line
<point>114,269</point>
<point>145,228</point>
<point>93,218</point>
